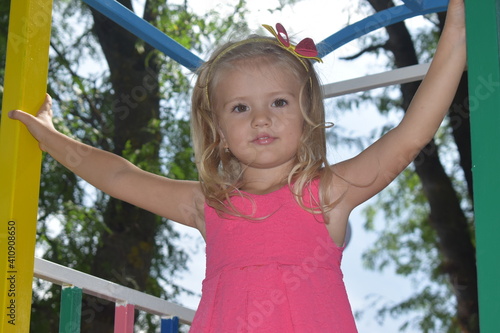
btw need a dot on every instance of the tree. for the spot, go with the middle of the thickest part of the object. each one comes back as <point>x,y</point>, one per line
<point>428,210</point>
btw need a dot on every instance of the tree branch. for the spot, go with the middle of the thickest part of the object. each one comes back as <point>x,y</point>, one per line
<point>365,50</point>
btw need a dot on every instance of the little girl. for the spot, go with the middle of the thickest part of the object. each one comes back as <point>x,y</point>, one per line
<point>272,211</point>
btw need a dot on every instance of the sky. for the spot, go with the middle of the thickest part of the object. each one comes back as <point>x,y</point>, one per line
<point>318,19</point>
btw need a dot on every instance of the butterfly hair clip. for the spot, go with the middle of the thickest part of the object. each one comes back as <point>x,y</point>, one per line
<point>304,49</point>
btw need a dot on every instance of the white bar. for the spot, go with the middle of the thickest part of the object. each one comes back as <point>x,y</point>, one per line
<point>110,291</point>
<point>396,76</point>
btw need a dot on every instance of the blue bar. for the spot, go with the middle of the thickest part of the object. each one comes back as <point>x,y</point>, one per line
<point>170,325</point>
<point>151,35</point>
<point>380,20</point>
<point>142,29</point>
<point>414,4</point>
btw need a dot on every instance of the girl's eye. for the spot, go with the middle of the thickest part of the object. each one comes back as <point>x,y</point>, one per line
<point>240,108</point>
<point>280,103</point>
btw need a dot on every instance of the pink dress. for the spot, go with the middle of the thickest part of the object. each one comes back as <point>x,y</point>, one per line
<point>277,274</point>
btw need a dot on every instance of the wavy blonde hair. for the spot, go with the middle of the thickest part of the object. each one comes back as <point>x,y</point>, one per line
<point>220,173</point>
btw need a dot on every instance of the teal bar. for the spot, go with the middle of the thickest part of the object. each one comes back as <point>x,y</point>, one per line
<point>484,97</point>
<point>71,310</point>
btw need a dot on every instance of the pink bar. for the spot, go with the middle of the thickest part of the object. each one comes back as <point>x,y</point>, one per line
<point>124,318</point>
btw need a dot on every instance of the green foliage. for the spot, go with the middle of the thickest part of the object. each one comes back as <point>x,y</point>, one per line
<point>429,308</point>
<point>408,244</point>
<point>400,243</point>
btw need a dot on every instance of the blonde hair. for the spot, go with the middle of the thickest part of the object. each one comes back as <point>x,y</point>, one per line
<point>219,172</point>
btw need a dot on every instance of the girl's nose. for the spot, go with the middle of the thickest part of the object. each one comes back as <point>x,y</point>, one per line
<point>261,118</point>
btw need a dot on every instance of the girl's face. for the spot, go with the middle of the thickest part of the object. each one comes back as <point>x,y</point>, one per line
<point>258,110</point>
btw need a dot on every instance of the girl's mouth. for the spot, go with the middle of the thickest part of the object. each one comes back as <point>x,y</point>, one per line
<point>264,139</point>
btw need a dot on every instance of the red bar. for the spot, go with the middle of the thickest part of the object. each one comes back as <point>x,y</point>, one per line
<point>124,318</point>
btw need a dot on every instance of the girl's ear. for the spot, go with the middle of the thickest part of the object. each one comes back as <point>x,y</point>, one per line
<point>222,139</point>
<point>221,133</point>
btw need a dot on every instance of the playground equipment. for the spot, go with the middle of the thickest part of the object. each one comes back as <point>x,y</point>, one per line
<point>25,84</point>
<point>483,40</point>
<point>127,300</point>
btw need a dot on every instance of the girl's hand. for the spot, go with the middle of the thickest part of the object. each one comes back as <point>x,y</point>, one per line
<point>40,126</point>
<point>455,16</point>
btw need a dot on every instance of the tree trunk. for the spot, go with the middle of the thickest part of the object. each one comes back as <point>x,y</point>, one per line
<point>446,214</point>
<point>127,246</point>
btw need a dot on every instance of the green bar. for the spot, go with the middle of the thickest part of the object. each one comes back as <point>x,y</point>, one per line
<point>484,97</point>
<point>71,310</point>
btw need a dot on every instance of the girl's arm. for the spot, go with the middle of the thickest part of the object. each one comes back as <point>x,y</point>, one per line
<point>176,200</point>
<point>368,173</point>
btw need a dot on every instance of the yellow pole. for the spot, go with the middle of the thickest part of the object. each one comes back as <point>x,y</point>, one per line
<point>20,158</point>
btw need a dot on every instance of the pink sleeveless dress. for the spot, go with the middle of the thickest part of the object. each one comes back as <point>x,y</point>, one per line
<point>276,274</point>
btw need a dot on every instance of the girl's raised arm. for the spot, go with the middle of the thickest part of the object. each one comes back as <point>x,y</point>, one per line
<point>372,170</point>
<point>176,200</point>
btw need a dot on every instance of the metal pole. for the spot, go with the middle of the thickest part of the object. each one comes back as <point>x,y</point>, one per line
<point>484,99</point>
<point>20,158</point>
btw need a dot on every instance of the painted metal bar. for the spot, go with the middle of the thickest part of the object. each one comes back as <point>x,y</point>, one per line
<point>130,21</point>
<point>377,21</point>
<point>414,4</point>
<point>71,309</point>
<point>170,325</point>
<point>20,158</point>
<point>110,291</point>
<point>124,318</point>
<point>368,82</point>
<point>150,34</point>
<point>483,48</point>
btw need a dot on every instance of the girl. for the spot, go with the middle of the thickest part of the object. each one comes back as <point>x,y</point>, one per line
<point>272,211</point>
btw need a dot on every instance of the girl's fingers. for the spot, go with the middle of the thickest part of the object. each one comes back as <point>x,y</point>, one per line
<point>20,115</point>
<point>24,117</point>
<point>46,105</point>
<point>39,125</point>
